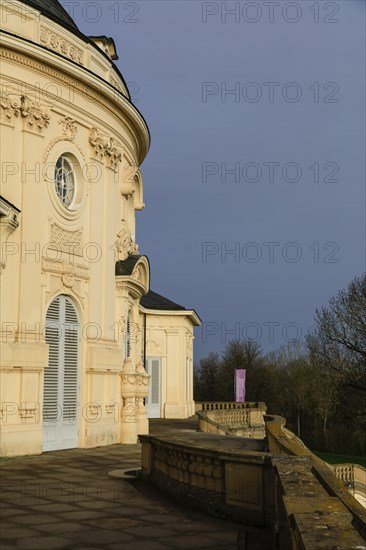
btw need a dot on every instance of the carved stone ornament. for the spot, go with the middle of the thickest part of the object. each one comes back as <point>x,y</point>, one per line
<point>69,131</point>
<point>35,114</point>
<point>69,128</point>
<point>58,44</point>
<point>68,278</point>
<point>10,105</point>
<point>105,148</point>
<point>137,274</point>
<point>66,241</point>
<point>124,245</point>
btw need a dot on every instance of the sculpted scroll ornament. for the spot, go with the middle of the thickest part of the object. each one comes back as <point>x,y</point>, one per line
<point>105,148</point>
<point>11,105</point>
<point>15,106</point>
<point>36,115</point>
<point>124,245</point>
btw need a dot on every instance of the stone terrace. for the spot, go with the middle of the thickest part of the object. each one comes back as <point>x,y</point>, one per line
<point>68,500</point>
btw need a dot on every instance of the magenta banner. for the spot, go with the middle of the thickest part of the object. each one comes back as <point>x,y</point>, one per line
<point>240,375</point>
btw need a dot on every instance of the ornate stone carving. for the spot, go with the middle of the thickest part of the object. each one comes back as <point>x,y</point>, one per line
<point>137,274</point>
<point>124,244</point>
<point>36,115</point>
<point>153,346</point>
<point>69,131</point>
<point>58,44</point>
<point>14,106</point>
<point>68,278</point>
<point>69,128</point>
<point>10,106</point>
<point>66,241</point>
<point>105,148</point>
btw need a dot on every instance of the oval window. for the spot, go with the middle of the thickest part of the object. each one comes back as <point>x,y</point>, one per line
<point>65,181</point>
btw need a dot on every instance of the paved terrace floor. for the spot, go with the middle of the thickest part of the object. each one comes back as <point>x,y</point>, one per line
<point>68,500</point>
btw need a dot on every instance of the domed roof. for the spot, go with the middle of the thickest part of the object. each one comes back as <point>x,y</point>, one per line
<point>54,10</point>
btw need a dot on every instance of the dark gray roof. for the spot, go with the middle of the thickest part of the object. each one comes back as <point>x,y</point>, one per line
<point>153,300</point>
<point>126,267</point>
<point>54,10</point>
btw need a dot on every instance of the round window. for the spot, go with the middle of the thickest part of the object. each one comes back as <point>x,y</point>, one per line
<point>65,181</point>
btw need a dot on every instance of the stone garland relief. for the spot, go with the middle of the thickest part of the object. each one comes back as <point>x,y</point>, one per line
<point>105,148</point>
<point>58,44</point>
<point>13,106</point>
<point>69,131</point>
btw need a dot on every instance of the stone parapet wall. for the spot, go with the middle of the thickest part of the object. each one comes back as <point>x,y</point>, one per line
<point>245,421</point>
<point>284,486</point>
<point>223,483</point>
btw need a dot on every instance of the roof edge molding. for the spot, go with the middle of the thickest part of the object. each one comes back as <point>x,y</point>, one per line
<point>54,10</point>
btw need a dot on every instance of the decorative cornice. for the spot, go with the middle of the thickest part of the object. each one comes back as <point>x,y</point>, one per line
<point>105,148</point>
<point>58,44</point>
<point>87,93</point>
<point>57,75</point>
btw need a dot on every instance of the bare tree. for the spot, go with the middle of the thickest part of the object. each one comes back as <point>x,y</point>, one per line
<point>339,338</point>
<point>206,378</point>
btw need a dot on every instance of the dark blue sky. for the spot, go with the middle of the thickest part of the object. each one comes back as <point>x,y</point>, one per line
<point>273,171</point>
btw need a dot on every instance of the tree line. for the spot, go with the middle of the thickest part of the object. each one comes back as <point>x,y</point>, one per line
<point>318,385</point>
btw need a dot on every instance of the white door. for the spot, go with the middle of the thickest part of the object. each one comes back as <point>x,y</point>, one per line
<point>61,377</point>
<point>153,401</point>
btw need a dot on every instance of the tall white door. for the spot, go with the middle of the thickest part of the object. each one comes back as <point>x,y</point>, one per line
<point>153,401</point>
<point>61,377</point>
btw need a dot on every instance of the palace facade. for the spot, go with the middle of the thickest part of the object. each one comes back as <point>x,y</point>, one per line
<point>88,351</point>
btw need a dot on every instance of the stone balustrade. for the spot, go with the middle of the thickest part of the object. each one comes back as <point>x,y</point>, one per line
<point>281,484</point>
<point>220,481</point>
<point>353,476</point>
<point>245,421</point>
<point>224,405</point>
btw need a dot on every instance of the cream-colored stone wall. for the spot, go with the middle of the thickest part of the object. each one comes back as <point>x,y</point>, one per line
<point>169,336</point>
<point>52,106</point>
<point>61,95</point>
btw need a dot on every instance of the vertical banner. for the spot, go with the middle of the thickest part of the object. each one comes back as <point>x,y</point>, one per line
<point>240,375</point>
